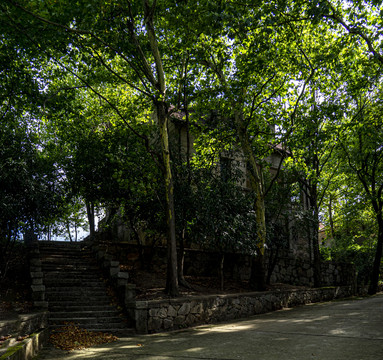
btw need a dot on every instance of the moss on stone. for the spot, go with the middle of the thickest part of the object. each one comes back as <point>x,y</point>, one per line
<point>12,350</point>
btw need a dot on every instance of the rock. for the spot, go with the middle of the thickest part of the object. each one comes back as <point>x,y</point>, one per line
<point>179,320</point>
<point>190,320</point>
<point>158,312</point>
<point>154,324</point>
<point>35,262</point>
<point>172,312</point>
<point>163,313</point>
<point>184,310</point>
<point>197,309</point>
<point>37,274</point>
<point>168,323</point>
<point>37,281</point>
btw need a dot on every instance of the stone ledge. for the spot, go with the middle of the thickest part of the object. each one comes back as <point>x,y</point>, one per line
<point>27,348</point>
<point>24,324</point>
<point>153,316</point>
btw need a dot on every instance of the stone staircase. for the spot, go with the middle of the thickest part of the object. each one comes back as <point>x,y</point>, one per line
<point>76,290</point>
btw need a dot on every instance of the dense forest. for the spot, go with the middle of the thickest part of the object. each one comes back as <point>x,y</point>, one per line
<point>140,107</point>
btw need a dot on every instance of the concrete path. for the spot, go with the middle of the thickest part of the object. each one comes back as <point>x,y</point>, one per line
<point>348,329</point>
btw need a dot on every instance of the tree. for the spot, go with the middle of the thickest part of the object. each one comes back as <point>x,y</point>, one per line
<point>364,153</point>
<point>249,63</point>
<point>222,218</point>
<point>29,190</point>
<point>127,41</point>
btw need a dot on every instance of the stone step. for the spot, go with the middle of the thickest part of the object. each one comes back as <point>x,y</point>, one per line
<point>77,291</point>
<point>68,267</point>
<point>79,297</point>
<point>64,250</point>
<point>78,307</point>
<point>67,253</point>
<point>59,243</point>
<point>67,275</point>
<point>72,273</point>
<point>62,246</point>
<point>84,302</point>
<point>95,322</point>
<point>106,313</point>
<point>58,258</point>
<point>74,291</point>
<point>60,283</point>
<point>64,260</point>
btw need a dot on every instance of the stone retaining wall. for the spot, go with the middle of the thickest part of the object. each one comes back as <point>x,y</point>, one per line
<point>37,286</point>
<point>162,315</point>
<point>289,269</point>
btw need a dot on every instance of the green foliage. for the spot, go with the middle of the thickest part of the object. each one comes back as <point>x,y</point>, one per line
<point>351,253</point>
<point>224,219</point>
<point>81,84</point>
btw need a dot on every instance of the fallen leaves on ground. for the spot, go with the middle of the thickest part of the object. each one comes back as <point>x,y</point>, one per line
<point>22,337</point>
<point>71,337</point>
<point>4,339</point>
<point>15,306</point>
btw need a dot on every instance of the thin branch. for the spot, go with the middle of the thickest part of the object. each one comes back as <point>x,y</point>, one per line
<point>66,88</point>
<point>80,32</point>
<point>55,24</point>
<point>104,64</point>
<point>276,175</point>
<point>146,67</point>
<point>319,202</point>
<point>355,31</point>
<point>149,13</point>
<point>253,107</point>
<point>266,100</point>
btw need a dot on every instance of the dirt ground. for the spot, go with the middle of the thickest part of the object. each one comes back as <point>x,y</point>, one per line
<point>151,286</point>
<point>14,299</point>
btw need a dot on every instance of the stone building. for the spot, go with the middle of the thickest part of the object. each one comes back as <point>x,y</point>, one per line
<point>183,143</point>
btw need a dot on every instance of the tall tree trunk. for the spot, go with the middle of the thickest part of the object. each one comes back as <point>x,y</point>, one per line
<point>316,252</point>
<point>332,228</point>
<point>221,273</point>
<point>90,214</point>
<point>314,236</point>
<point>257,278</point>
<point>159,83</point>
<point>181,261</point>
<point>75,232</point>
<point>257,275</point>
<point>139,243</point>
<point>172,274</point>
<point>273,259</point>
<point>373,288</point>
<point>68,230</point>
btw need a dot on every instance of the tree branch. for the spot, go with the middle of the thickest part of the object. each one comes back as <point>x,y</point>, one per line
<point>149,13</point>
<point>354,31</point>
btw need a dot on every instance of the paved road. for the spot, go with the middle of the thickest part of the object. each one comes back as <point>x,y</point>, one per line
<point>351,329</point>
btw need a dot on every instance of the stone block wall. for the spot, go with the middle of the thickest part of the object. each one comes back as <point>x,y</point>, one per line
<point>289,269</point>
<point>170,314</point>
<point>111,267</point>
<point>36,274</point>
